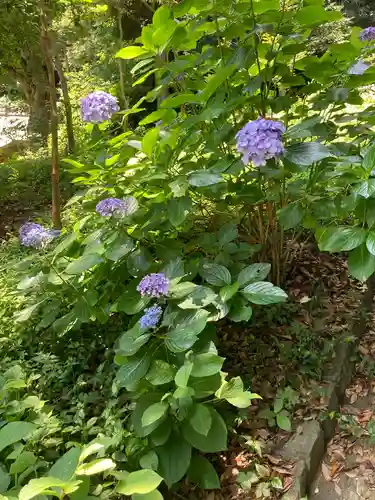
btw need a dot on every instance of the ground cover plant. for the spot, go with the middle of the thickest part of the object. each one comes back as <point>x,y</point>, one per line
<point>183,228</point>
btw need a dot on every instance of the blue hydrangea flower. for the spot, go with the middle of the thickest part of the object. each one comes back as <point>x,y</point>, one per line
<point>117,207</point>
<point>367,34</point>
<point>98,107</point>
<point>151,317</point>
<point>260,140</point>
<point>154,285</point>
<point>358,68</point>
<point>36,236</point>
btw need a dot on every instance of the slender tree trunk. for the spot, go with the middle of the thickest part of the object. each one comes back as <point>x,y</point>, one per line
<point>67,105</point>
<point>47,52</point>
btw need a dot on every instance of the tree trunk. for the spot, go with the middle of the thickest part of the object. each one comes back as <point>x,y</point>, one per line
<point>67,105</point>
<point>47,52</point>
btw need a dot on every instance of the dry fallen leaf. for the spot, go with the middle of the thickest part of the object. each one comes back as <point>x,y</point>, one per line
<point>326,472</point>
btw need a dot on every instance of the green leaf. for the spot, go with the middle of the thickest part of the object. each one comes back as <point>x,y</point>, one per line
<point>176,100</point>
<point>160,372</point>
<point>149,141</point>
<point>39,486</point>
<point>161,16</point>
<point>5,477</point>
<point>95,467</point>
<point>307,153</point>
<point>361,263</point>
<point>183,374</point>
<point>85,262</point>
<point>369,159</point>
<point>283,421</point>
<point>131,52</point>
<point>179,209</point>
<point>26,313</point>
<point>149,461</point>
<point>264,293</point>
<point>181,290</point>
<point>133,370</point>
<point>214,82</point>
<point>205,386</point>
<point>15,431</point>
<point>255,272</point>
<point>202,178</point>
<point>160,114</point>
<point>340,238</point>
<point>131,341</point>
<point>153,495</point>
<point>216,439</point>
<point>233,392</point>
<point>141,406</point>
<point>202,472</point>
<point>215,274</point>
<point>154,413</point>
<point>240,311</point>
<point>141,482</point>
<point>206,364</point>
<point>200,419</point>
<point>228,291</point>
<point>174,459</point>
<point>200,297</point>
<point>66,465</point>
<point>180,339</point>
<point>121,247</point>
<point>65,243</point>
<point>290,216</point>
<point>365,188</point>
<point>370,242</point>
<point>91,449</point>
<point>22,462</point>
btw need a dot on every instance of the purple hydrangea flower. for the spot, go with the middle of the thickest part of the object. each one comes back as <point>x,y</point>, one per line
<point>358,68</point>
<point>154,285</point>
<point>35,235</point>
<point>151,317</point>
<point>260,140</point>
<point>367,34</point>
<point>98,107</point>
<point>117,207</point>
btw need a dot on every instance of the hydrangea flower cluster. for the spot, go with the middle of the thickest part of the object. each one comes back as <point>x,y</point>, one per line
<point>358,68</point>
<point>36,236</point>
<point>98,107</point>
<point>154,285</point>
<point>367,34</point>
<point>117,207</point>
<point>260,140</point>
<point>151,317</point>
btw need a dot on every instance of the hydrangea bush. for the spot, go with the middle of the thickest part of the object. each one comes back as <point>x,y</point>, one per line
<point>254,141</point>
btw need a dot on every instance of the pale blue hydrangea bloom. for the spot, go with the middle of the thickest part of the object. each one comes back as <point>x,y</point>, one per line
<point>260,140</point>
<point>98,107</point>
<point>36,236</point>
<point>117,207</point>
<point>154,285</point>
<point>367,34</point>
<point>151,317</point>
<point>358,68</point>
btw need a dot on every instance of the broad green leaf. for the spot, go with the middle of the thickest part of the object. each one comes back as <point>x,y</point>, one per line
<point>174,459</point>
<point>228,291</point>
<point>179,209</point>
<point>180,339</point>
<point>240,311</point>
<point>153,495</point>
<point>290,216</point>
<point>131,52</point>
<point>150,140</point>
<point>202,472</point>
<point>181,290</point>
<point>370,242</point>
<point>369,159</point>
<point>365,188</point>
<point>160,372</point>
<point>234,393</point>
<point>161,16</point>
<point>95,467</point>
<point>183,374</point>
<point>264,293</point>
<point>206,364</point>
<point>205,386</point>
<point>91,449</point>
<point>216,439</point>
<point>254,272</point>
<point>26,313</point>
<point>141,482</point>
<point>340,238</point>
<point>141,406</point>
<point>149,461</point>
<point>176,100</point>
<point>65,243</point>
<point>215,274</point>
<point>215,81</point>
<point>24,460</point>
<point>200,297</point>
<point>154,413</point>
<point>5,477</point>
<point>361,263</point>
<point>160,114</point>
<point>66,465</point>
<point>307,153</point>
<point>283,421</point>
<point>131,341</point>
<point>39,486</point>
<point>15,431</point>
<point>121,247</point>
<point>133,370</point>
<point>85,262</point>
<point>200,419</point>
<point>202,178</point>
